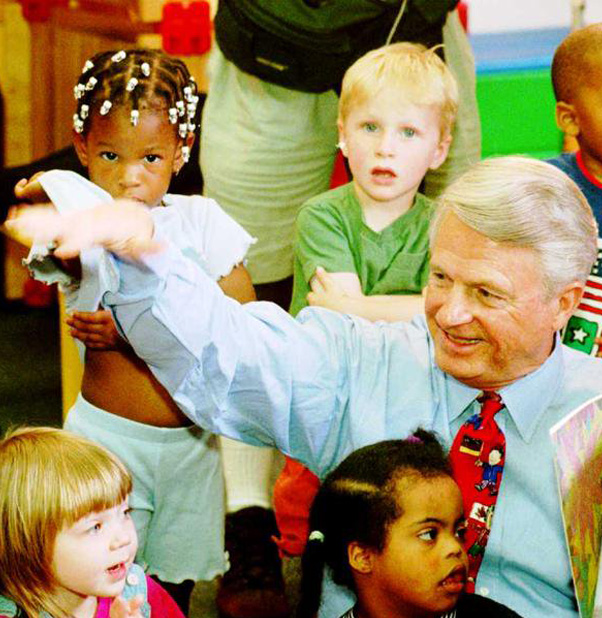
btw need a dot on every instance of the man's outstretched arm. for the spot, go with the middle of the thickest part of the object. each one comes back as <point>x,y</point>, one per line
<point>252,373</point>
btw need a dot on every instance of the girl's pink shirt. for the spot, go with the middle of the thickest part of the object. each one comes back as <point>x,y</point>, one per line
<point>160,602</point>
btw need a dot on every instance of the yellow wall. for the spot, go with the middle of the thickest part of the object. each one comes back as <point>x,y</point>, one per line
<point>15,62</point>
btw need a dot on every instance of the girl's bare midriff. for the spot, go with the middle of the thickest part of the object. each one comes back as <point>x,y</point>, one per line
<point>120,383</point>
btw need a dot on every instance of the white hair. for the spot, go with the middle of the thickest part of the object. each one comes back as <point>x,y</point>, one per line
<point>524,202</point>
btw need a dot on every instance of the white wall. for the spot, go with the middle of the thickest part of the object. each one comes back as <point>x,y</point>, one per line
<point>502,15</point>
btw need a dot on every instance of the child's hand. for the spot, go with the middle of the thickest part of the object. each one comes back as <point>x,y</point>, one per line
<point>120,608</point>
<point>123,227</point>
<point>31,190</point>
<point>95,329</point>
<point>326,292</point>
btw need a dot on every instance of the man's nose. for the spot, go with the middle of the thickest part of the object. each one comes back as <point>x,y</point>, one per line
<point>455,309</point>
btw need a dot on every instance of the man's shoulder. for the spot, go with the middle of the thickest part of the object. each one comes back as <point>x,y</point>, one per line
<point>582,378</point>
<point>575,360</point>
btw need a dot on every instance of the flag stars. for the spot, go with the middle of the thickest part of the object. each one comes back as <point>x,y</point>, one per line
<point>580,335</point>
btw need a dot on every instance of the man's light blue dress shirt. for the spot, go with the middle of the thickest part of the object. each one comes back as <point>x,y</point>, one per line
<point>323,385</point>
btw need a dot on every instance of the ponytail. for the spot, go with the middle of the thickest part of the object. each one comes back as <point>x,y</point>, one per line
<point>312,575</point>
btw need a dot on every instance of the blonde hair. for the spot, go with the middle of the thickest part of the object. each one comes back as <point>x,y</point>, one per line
<point>524,202</point>
<point>49,478</point>
<point>418,73</point>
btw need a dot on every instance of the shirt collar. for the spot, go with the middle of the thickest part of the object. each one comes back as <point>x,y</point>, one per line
<point>526,399</point>
<point>586,172</point>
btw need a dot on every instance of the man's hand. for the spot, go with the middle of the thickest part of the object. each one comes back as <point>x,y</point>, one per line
<point>120,608</point>
<point>327,292</point>
<point>30,190</point>
<point>123,227</point>
<point>95,329</point>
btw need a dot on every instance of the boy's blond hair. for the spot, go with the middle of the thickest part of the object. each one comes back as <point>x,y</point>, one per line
<point>579,54</point>
<point>49,478</point>
<point>418,73</point>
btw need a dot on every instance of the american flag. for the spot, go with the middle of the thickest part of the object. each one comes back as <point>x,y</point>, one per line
<point>592,297</point>
<point>582,330</point>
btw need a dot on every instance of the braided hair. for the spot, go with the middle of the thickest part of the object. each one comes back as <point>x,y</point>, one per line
<point>139,79</point>
<point>357,502</point>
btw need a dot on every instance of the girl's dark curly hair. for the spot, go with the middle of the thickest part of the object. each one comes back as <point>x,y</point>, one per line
<point>136,78</point>
<point>357,502</point>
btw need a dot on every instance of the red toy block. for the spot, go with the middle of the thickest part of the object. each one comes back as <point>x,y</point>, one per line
<point>199,27</point>
<point>186,30</point>
<point>40,10</point>
<point>463,14</point>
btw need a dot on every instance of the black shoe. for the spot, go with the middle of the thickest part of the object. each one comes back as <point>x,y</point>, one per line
<point>253,586</point>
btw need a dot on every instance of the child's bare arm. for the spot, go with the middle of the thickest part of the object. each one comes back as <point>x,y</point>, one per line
<point>237,284</point>
<point>31,190</point>
<point>327,291</point>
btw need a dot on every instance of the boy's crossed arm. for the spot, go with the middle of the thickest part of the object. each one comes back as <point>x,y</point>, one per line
<point>342,292</point>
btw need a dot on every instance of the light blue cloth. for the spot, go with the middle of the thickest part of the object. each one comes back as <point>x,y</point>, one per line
<point>324,385</point>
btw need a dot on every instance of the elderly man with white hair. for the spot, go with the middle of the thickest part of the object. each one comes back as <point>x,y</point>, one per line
<point>512,243</point>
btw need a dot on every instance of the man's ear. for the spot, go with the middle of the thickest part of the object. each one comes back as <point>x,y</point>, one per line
<point>360,558</point>
<point>567,302</point>
<point>567,119</point>
<point>441,152</point>
<point>81,148</point>
<point>178,160</point>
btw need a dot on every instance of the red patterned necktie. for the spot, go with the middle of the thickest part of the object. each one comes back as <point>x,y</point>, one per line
<point>477,458</point>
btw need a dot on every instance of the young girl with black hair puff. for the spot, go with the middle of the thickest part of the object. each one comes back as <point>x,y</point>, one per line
<point>388,523</point>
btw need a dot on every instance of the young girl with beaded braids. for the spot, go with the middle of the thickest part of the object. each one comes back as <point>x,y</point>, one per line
<point>133,129</point>
<point>388,523</point>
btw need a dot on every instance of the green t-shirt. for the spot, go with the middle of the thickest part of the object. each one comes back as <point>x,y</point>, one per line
<point>331,232</point>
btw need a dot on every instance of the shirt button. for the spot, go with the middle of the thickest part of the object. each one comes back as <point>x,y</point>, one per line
<point>132,579</point>
<point>484,591</point>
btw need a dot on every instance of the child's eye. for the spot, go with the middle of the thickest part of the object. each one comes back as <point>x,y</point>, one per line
<point>461,531</point>
<point>95,529</point>
<point>108,156</point>
<point>369,127</point>
<point>428,535</point>
<point>151,158</point>
<point>408,132</point>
